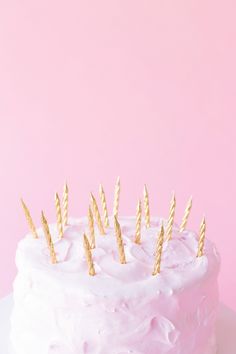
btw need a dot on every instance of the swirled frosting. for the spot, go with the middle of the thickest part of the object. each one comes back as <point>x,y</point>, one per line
<point>123,309</point>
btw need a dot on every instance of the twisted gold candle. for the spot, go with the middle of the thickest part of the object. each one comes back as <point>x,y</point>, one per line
<point>88,255</point>
<point>29,219</point>
<point>116,198</point>
<point>59,217</point>
<point>104,205</point>
<point>138,223</point>
<point>91,228</point>
<point>48,239</point>
<point>201,241</point>
<point>158,253</point>
<point>186,215</point>
<point>97,215</point>
<point>119,241</point>
<point>146,207</point>
<point>65,205</point>
<point>171,218</point>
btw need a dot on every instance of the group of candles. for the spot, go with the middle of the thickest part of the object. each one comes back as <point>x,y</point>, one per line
<point>94,215</point>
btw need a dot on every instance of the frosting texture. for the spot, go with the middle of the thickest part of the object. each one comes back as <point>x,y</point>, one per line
<point>123,309</point>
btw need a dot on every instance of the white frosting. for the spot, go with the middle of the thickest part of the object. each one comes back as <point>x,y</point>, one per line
<point>60,309</point>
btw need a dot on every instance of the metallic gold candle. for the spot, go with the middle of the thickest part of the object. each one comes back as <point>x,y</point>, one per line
<point>59,217</point>
<point>202,235</point>
<point>116,198</point>
<point>29,219</point>
<point>171,218</point>
<point>97,215</point>
<point>104,205</point>
<point>88,255</point>
<point>146,207</point>
<point>65,205</point>
<point>186,215</point>
<point>158,253</point>
<point>91,228</point>
<point>138,223</point>
<point>120,243</point>
<point>48,239</point>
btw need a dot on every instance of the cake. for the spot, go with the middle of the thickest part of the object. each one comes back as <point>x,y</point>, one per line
<point>140,287</point>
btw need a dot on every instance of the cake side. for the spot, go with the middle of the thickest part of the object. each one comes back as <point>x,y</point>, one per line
<point>59,309</point>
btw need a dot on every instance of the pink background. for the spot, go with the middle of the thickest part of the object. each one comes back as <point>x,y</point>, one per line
<point>142,89</point>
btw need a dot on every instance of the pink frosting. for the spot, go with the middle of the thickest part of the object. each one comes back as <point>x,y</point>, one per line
<point>60,309</point>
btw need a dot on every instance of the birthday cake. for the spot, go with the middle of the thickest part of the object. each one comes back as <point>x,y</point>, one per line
<point>115,285</point>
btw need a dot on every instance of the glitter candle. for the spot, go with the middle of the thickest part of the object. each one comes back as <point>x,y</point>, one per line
<point>65,205</point>
<point>97,215</point>
<point>186,215</point>
<point>158,253</point>
<point>119,242</point>
<point>116,198</point>
<point>59,217</point>
<point>201,241</point>
<point>29,219</point>
<point>146,207</point>
<point>171,218</point>
<point>88,255</point>
<point>104,205</point>
<point>48,239</point>
<point>91,228</point>
<point>138,223</point>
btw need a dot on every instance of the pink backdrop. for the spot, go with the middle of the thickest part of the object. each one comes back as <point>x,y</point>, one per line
<point>142,89</point>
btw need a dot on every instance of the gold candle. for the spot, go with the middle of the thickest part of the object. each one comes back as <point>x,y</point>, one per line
<point>146,207</point>
<point>97,215</point>
<point>186,215</point>
<point>158,253</point>
<point>29,219</point>
<point>88,255</point>
<point>104,205</point>
<point>171,218</point>
<point>202,235</point>
<point>59,217</point>
<point>120,243</point>
<point>138,223</point>
<point>91,228</point>
<point>65,205</point>
<point>48,239</point>
<point>116,198</point>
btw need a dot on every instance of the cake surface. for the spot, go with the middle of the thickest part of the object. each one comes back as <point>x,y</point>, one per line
<point>123,309</point>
